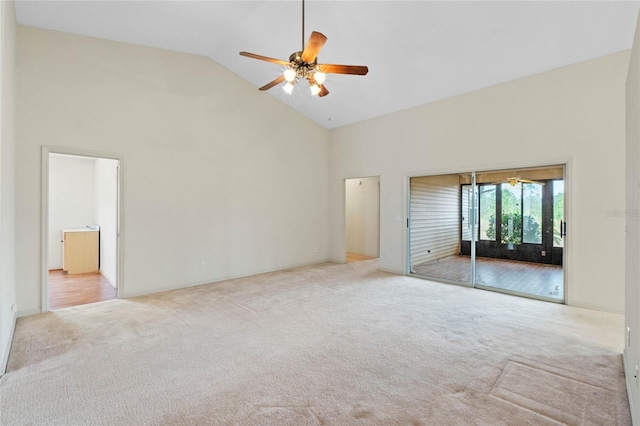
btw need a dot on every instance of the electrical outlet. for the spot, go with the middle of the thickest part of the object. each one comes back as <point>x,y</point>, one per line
<point>202,265</point>
<point>386,255</point>
<point>544,253</point>
<point>316,250</point>
<point>14,307</point>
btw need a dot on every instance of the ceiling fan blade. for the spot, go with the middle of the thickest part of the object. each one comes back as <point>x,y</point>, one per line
<point>315,43</point>
<point>263,58</point>
<point>273,83</point>
<point>343,69</point>
<point>511,181</point>
<point>515,181</point>
<point>530,181</point>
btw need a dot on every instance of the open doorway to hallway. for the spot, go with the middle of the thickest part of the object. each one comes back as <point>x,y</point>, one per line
<point>362,221</point>
<point>82,236</point>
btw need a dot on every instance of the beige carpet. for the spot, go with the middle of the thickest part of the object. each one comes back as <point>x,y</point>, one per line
<point>322,345</point>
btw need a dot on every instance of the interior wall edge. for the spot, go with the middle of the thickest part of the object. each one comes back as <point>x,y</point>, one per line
<point>8,167</point>
<point>7,349</point>
<point>628,368</point>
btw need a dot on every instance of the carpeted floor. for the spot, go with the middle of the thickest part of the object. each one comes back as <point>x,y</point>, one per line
<point>321,345</point>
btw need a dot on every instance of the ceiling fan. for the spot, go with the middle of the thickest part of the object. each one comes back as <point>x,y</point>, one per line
<point>303,65</point>
<point>513,181</point>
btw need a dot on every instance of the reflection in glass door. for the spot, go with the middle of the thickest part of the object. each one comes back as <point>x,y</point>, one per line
<point>510,230</point>
<point>441,218</point>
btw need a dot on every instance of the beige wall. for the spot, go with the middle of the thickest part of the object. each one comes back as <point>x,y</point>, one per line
<point>573,114</point>
<point>632,294</point>
<point>7,178</point>
<point>212,170</point>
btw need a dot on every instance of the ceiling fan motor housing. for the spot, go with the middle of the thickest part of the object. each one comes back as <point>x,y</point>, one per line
<point>299,64</point>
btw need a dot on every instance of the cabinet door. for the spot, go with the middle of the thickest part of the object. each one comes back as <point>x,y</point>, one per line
<point>80,252</point>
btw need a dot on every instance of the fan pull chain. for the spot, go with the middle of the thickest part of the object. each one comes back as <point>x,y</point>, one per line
<point>302,24</point>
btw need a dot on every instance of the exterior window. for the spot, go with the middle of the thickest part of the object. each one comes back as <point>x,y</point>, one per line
<point>520,210</point>
<point>466,212</point>
<point>511,229</point>
<point>532,213</point>
<point>487,212</point>
<point>558,211</point>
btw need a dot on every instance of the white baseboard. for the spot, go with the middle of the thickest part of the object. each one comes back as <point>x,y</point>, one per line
<point>391,271</point>
<point>108,278</point>
<point>217,280</point>
<point>596,307</point>
<point>631,389</point>
<point>5,358</point>
<point>27,312</point>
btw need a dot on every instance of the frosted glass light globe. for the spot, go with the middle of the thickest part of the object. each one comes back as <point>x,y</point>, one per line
<point>289,75</point>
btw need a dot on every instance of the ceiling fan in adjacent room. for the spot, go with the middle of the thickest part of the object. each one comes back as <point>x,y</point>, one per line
<point>303,65</point>
<point>513,181</point>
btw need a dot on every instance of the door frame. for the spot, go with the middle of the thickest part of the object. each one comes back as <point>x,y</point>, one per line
<point>568,211</point>
<point>44,217</point>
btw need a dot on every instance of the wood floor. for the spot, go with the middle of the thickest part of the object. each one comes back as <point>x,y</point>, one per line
<point>524,277</point>
<point>353,257</point>
<point>78,289</point>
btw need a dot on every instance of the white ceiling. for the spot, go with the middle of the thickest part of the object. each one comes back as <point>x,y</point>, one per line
<point>417,51</point>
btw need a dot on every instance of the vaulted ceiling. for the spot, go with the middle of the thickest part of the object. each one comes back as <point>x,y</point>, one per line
<point>417,51</point>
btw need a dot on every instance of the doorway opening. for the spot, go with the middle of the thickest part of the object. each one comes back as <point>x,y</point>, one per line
<point>362,218</point>
<point>501,230</point>
<point>81,209</point>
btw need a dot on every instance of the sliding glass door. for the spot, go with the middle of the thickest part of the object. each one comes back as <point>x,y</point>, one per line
<point>510,227</point>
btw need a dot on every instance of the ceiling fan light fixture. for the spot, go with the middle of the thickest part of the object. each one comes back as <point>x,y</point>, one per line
<point>320,77</point>
<point>304,65</point>
<point>288,87</point>
<point>290,75</point>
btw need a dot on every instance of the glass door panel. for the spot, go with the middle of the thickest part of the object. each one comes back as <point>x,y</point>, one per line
<point>504,232</point>
<point>558,212</point>
<point>487,218</point>
<point>516,254</point>
<point>532,213</point>
<point>511,229</point>
<point>441,222</point>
